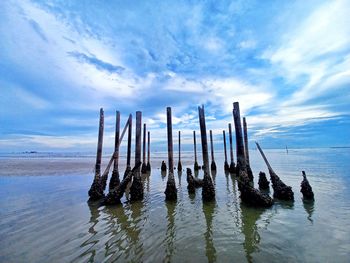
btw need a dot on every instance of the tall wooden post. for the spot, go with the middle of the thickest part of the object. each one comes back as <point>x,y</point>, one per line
<point>241,164</point>
<point>136,190</point>
<point>208,192</point>
<point>213,164</point>
<point>96,189</point>
<point>196,166</point>
<point>144,165</point>
<point>115,181</point>
<point>246,150</point>
<point>128,155</point>
<point>148,151</point>
<point>226,166</point>
<point>232,164</point>
<point>170,191</point>
<point>179,165</point>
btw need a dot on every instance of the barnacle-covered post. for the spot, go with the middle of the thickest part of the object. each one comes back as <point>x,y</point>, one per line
<point>170,191</point>
<point>213,164</point>
<point>115,181</point>
<point>179,165</point>
<point>246,150</point>
<point>136,190</point>
<point>96,189</point>
<point>208,192</point>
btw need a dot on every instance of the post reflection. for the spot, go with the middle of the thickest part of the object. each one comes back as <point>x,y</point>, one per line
<point>309,206</point>
<point>170,232</point>
<point>208,210</point>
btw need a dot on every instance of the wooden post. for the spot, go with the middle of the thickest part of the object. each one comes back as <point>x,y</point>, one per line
<point>170,191</point>
<point>232,163</point>
<point>99,145</point>
<point>208,192</point>
<point>96,189</point>
<point>226,166</point>
<point>136,190</point>
<point>148,152</point>
<point>196,166</point>
<point>144,165</point>
<point>213,164</point>
<point>241,164</point>
<point>115,181</point>
<point>128,155</point>
<point>179,165</point>
<point>246,150</point>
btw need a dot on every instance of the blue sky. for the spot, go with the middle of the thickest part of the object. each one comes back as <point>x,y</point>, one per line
<point>286,62</point>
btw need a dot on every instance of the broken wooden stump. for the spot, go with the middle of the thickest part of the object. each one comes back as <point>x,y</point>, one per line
<point>96,189</point>
<point>208,192</point>
<point>163,166</point>
<point>114,195</point>
<point>232,168</point>
<point>306,188</point>
<point>115,181</point>
<point>144,164</point>
<point>213,164</point>
<point>190,182</point>
<point>246,150</point>
<point>280,189</point>
<point>226,166</point>
<point>170,191</point>
<point>249,194</point>
<point>196,166</point>
<point>136,189</point>
<point>264,184</point>
<point>179,165</point>
<point>148,152</point>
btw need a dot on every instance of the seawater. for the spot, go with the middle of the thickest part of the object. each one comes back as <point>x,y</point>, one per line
<point>45,216</point>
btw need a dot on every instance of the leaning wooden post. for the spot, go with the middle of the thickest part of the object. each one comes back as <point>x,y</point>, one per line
<point>115,181</point>
<point>232,164</point>
<point>136,190</point>
<point>246,150</point>
<point>179,165</point>
<point>128,153</point>
<point>208,192</point>
<point>148,151</point>
<point>144,165</point>
<point>241,163</point>
<point>196,166</point>
<point>96,189</point>
<point>226,166</point>
<point>170,191</point>
<point>213,164</point>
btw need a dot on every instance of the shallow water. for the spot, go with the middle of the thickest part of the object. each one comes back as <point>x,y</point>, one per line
<point>47,218</point>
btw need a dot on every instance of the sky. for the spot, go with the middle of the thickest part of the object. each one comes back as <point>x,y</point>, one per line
<point>286,62</point>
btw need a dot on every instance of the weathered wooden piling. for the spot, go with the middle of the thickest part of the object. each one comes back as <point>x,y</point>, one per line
<point>144,164</point>
<point>263,182</point>
<point>213,164</point>
<point>179,165</point>
<point>280,189</point>
<point>136,190</point>
<point>208,192</point>
<point>248,193</point>
<point>96,189</point>
<point>246,150</point>
<point>170,191</point>
<point>128,153</point>
<point>115,181</point>
<point>226,166</point>
<point>190,181</point>
<point>163,166</point>
<point>232,163</point>
<point>306,188</point>
<point>148,151</point>
<point>196,166</point>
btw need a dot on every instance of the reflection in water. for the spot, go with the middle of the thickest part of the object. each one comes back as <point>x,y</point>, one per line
<point>179,175</point>
<point>210,251</point>
<point>236,199</point>
<point>309,206</point>
<point>213,175</point>
<point>171,229</point>
<point>163,173</point>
